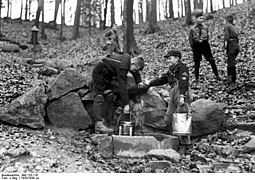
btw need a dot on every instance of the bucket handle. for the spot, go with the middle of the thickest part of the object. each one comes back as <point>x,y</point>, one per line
<point>118,120</point>
<point>187,107</point>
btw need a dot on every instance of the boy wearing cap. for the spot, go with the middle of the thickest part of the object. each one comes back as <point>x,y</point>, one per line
<point>112,42</point>
<point>232,49</point>
<point>198,40</point>
<point>116,66</point>
<point>178,78</point>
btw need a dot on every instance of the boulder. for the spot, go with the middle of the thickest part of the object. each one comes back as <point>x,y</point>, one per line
<point>207,117</point>
<point>68,111</point>
<point>164,154</point>
<point>249,146</point>
<point>10,48</point>
<point>69,80</point>
<point>151,110</point>
<point>27,110</point>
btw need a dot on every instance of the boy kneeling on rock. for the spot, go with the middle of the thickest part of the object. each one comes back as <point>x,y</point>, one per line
<point>180,94</point>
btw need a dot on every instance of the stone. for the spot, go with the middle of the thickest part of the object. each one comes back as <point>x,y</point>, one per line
<point>10,48</point>
<point>48,71</point>
<point>139,146</point>
<point>249,146</point>
<point>207,117</point>
<point>27,110</point>
<point>68,111</point>
<point>105,144</point>
<point>151,110</point>
<point>159,164</point>
<point>164,154</point>
<point>69,80</point>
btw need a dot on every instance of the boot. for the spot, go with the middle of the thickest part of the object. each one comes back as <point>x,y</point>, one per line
<point>101,128</point>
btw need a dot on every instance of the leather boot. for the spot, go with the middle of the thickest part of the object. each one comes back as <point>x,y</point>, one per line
<point>101,128</point>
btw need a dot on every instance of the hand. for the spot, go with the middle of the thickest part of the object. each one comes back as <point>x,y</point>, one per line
<point>126,109</point>
<point>181,100</point>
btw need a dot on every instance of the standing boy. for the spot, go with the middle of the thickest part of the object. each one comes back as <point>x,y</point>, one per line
<point>116,66</point>
<point>232,49</point>
<point>178,79</point>
<point>198,39</point>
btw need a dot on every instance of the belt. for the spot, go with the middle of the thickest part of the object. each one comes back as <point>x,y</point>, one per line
<point>233,39</point>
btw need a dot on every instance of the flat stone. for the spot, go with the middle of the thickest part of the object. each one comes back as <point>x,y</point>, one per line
<point>105,145</point>
<point>160,164</point>
<point>249,146</point>
<point>164,154</point>
<point>139,146</point>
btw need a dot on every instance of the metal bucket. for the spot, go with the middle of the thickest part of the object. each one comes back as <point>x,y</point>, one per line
<point>182,123</point>
<point>126,128</point>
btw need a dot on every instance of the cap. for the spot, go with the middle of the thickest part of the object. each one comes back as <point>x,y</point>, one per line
<point>174,53</point>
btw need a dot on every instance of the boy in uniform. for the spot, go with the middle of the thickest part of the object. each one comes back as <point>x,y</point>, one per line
<point>178,79</point>
<point>232,49</point>
<point>198,40</point>
<point>116,66</point>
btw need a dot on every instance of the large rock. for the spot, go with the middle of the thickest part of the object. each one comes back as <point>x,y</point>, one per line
<point>164,154</point>
<point>250,146</point>
<point>151,110</point>
<point>10,48</point>
<point>28,109</point>
<point>208,117</point>
<point>68,111</point>
<point>69,80</point>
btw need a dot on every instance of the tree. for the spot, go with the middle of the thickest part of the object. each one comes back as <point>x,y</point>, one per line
<point>21,11</point>
<point>129,43</point>
<point>188,12</point>
<point>112,12</point>
<point>57,3</point>
<point>223,3</point>
<point>77,20</point>
<point>8,9</point>
<point>62,18</point>
<point>153,27</point>
<point>105,13</point>
<point>140,11</point>
<point>147,10</point>
<point>171,10</point>
<point>43,36</point>
<point>211,5</point>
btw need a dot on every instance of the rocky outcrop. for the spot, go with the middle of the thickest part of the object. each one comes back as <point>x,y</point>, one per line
<point>27,110</point>
<point>69,80</point>
<point>207,117</point>
<point>68,111</point>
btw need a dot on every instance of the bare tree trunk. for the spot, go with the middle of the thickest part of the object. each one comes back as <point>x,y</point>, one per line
<point>62,22</point>
<point>178,8</point>
<point>147,10</point>
<point>201,4</point>
<point>21,11</point>
<point>105,13</point>
<point>211,7</point>
<point>181,8</point>
<point>77,20</point>
<point>26,9</point>
<point>57,2</point>
<point>112,13</point>
<point>140,10</point>
<point>153,27</point>
<point>8,9</point>
<point>171,10</point>
<point>30,2</point>
<point>130,45</point>
<point>188,13</point>
<point>195,2</point>
<point>89,1</point>
<point>223,3</point>
<point>43,36</point>
<point>0,18</point>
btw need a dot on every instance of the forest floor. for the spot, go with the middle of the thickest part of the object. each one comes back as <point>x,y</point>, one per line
<point>64,150</point>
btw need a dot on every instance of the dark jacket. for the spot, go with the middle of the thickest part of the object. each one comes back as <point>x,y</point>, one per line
<point>177,73</point>
<point>195,35</point>
<point>114,66</point>
<point>230,33</point>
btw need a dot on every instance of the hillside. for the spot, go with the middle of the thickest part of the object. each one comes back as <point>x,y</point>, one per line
<point>17,77</point>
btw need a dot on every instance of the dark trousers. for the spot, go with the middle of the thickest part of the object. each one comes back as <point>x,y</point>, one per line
<point>103,96</point>
<point>232,52</point>
<point>204,49</point>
